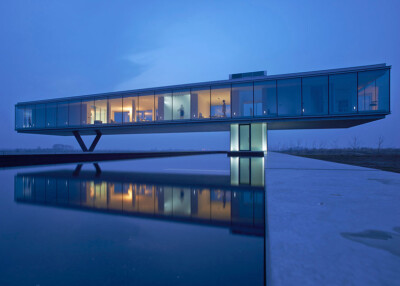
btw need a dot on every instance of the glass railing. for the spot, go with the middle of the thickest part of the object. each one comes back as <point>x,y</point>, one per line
<point>345,93</point>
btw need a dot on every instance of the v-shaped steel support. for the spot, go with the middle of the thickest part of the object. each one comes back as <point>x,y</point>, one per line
<point>78,169</point>
<point>82,144</point>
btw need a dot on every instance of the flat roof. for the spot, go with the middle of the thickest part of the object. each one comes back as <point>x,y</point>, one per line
<point>218,82</point>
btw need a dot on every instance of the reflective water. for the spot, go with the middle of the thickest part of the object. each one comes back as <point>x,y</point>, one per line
<point>175,221</point>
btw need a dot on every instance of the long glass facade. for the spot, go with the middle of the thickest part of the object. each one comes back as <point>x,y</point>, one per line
<point>337,93</point>
<point>62,114</point>
<point>101,111</point>
<point>265,98</point>
<point>163,106</point>
<point>115,114</point>
<point>343,93</point>
<point>145,111</point>
<point>88,112</point>
<point>221,102</point>
<point>129,109</point>
<point>40,115</point>
<point>200,103</point>
<point>242,100</point>
<point>181,104</point>
<point>315,95</point>
<point>51,115</point>
<point>373,91</point>
<point>74,113</point>
<point>289,97</point>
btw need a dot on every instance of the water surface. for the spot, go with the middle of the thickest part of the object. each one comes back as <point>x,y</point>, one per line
<point>181,221</point>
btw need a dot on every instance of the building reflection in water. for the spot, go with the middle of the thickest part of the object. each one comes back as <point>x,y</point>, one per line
<point>236,201</point>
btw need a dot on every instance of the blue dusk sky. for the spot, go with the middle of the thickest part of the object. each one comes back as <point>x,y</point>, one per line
<point>52,49</point>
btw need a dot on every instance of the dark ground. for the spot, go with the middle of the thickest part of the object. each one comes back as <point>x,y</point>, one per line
<point>384,159</point>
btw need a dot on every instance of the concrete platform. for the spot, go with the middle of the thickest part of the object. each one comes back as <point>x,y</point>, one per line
<point>330,223</point>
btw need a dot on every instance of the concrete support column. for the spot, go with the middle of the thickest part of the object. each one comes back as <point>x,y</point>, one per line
<point>249,137</point>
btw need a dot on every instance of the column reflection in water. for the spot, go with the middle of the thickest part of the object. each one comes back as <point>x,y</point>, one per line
<point>247,171</point>
<point>235,201</point>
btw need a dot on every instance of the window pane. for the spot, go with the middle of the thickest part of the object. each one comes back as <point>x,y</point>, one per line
<point>62,114</point>
<point>19,117</point>
<point>130,109</point>
<point>315,95</point>
<point>40,115</point>
<point>201,201</point>
<point>258,137</point>
<point>343,93</point>
<point>244,137</point>
<point>373,91</point>
<point>200,103</point>
<point>74,113</point>
<point>101,111</point>
<point>265,98</point>
<point>244,170</point>
<point>289,97</point>
<point>87,112</point>
<point>221,101</point>
<point>115,110</point>
<point>257,171</point>
<point>242,100</point>
<point>234,137</point>
<point>29,116</point>
<point>163,103</point>
<point>51,114</point>
<point>220,205</point>
<point>146,108</point>
<point>181,104</point>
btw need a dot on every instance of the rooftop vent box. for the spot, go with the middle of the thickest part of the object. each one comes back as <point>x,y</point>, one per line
<point>247,74</point>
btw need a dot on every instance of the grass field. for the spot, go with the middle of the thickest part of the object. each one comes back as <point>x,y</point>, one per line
<point>383,159</point>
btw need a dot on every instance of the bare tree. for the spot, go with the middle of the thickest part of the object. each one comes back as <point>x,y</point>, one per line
<point>314,144</point>
<point>334,143</point>
<point>380,143</point>
<point>322,144</point>
<point>298,144</point>
<point>355,143</point>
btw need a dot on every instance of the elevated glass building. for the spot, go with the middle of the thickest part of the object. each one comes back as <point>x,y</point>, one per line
<point>246,104</point>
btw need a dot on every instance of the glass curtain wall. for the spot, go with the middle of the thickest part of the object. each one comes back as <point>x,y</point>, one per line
<point>88,112</point>
<point>101,111</point>
<point>181,104</point>
<point>62,114</point>
<point>163,105</point>
<point>242,100</point>
<point>265,98</point>
<point>19,116</point>
<point>373,91</point>
<point>289,97</point>
<point>146,107</point>
<point>51,114</point>
<point>29,116</point>
<point>74,113</point>
<point>221,101</point>
<point>244,137</point>
<point>40,115</point>
<point>115,110</point>
<point>200,103</point>
<point>343,93</point>
<point>315,95</point>
<point>129,113</point>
